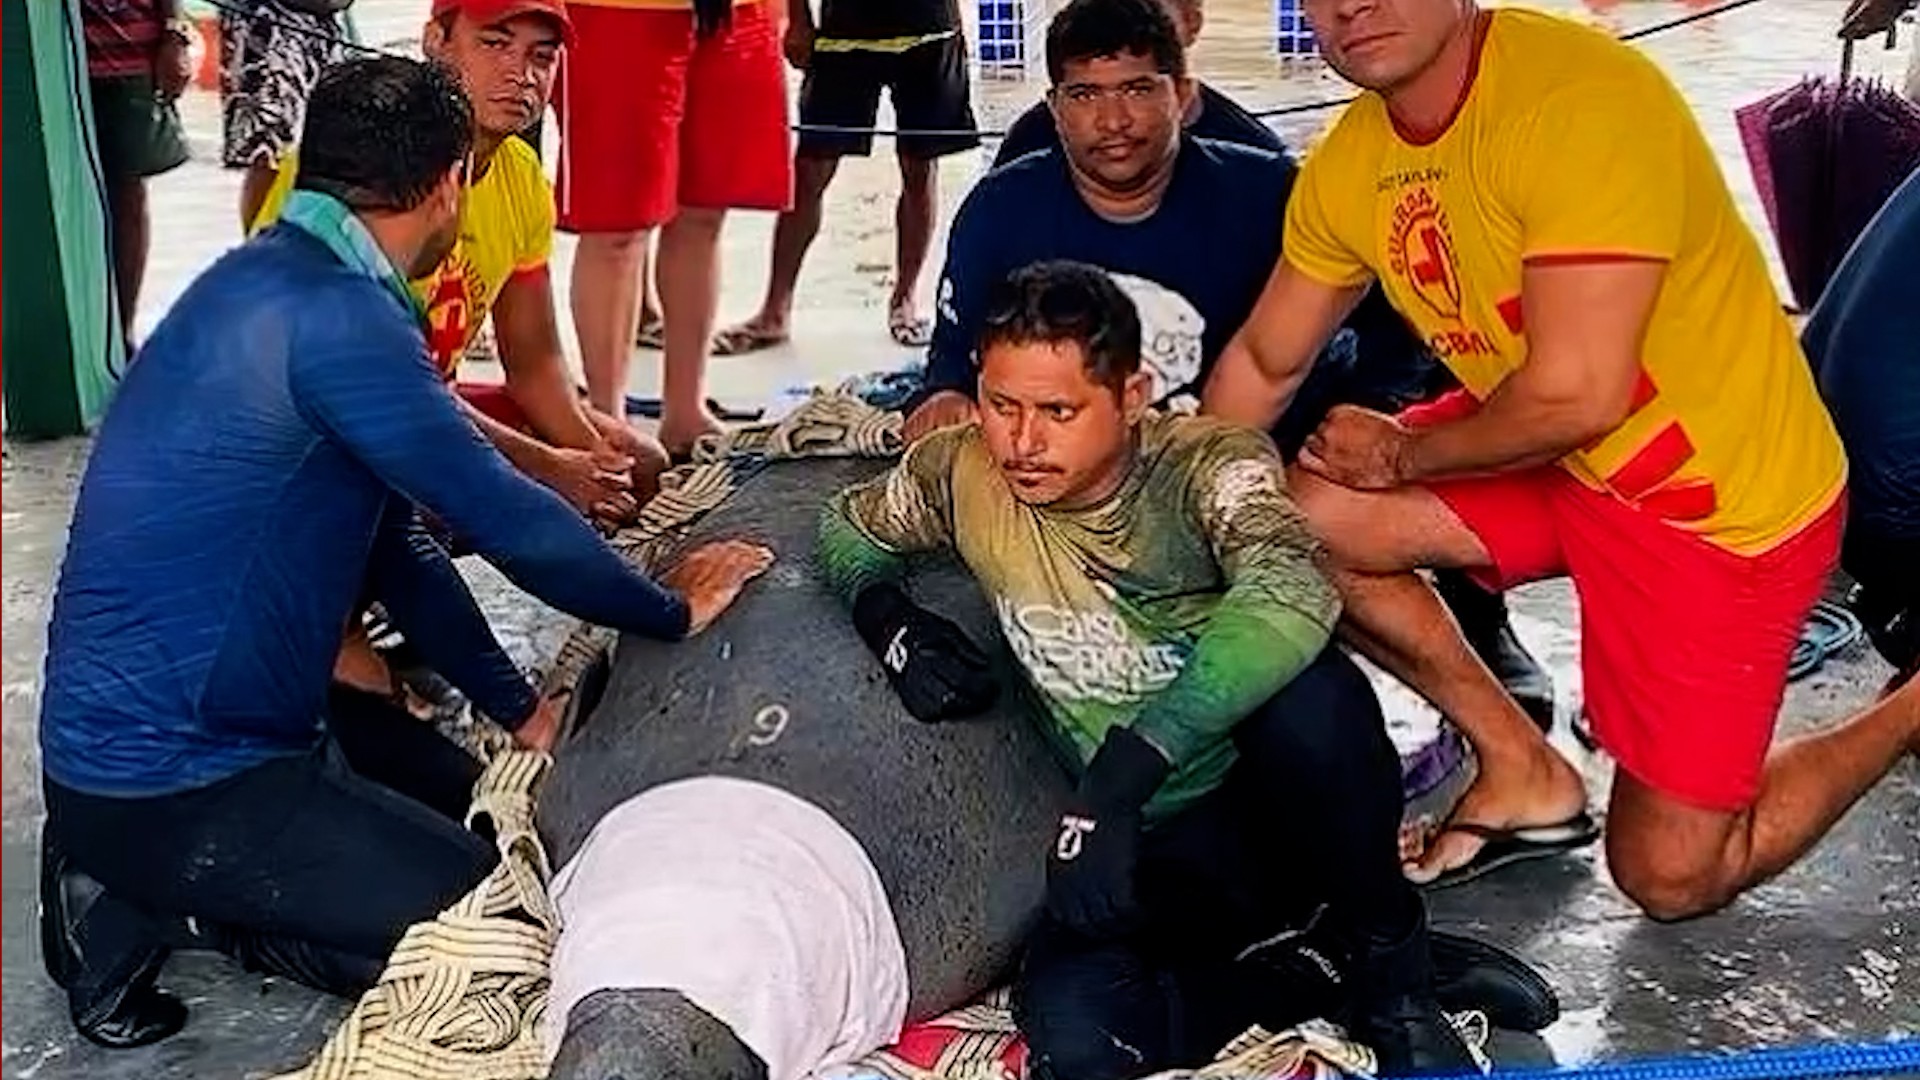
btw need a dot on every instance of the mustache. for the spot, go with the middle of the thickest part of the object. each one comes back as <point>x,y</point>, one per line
<point>1029,467</point>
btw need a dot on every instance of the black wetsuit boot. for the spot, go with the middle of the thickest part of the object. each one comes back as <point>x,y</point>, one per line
<point>1396,1012</point>
<point>1483,621</point>
<point>106,955</point>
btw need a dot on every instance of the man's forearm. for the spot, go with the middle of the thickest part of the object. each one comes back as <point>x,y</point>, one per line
<point>1264,364</point>
<point>430,603</point>
<point>1242,659</point>
<point>528,454</point>
<point>1521,425</point>
<point>553,407</point>
<point>800,13</point>
<point>1243,391</point>
<point>848,559</point>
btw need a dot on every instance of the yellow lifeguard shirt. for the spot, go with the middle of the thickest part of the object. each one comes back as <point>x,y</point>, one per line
<point>1570,145</point>
<point>506,228</point>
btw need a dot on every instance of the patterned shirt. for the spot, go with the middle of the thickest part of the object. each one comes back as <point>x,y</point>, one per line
<point>122,36</point>
<point>1177,605</point>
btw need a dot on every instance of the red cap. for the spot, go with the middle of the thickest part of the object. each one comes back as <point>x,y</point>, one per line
<point>502,10</point>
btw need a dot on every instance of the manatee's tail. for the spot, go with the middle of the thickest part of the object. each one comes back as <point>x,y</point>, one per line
<point>650,1035</point>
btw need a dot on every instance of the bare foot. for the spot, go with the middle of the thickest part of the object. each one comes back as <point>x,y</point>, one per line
<point>678,433</point>
<point>1543,789</point>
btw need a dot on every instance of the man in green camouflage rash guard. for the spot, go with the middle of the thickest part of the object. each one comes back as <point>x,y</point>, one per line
<point>1165,600</point>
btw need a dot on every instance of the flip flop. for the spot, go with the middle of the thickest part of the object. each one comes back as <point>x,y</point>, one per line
<point>650,407</point>
<point>1504,847</point>
<point>743,339</point>
<point>652,334</point>
<point>908,329</point>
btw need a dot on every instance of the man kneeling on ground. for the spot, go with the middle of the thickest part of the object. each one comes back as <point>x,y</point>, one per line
<point>505,54</point>
<point>255,480</point>
<point>1537,197</point>
<point>1164,598</point>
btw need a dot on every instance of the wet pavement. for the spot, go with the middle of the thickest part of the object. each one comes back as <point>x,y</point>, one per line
<point>1827,952</point>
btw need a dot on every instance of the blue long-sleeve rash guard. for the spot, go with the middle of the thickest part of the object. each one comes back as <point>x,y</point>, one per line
<point>253,482</point>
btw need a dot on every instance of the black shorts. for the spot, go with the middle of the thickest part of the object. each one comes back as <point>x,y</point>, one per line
<point>929,87</point>
<point>138,132</point>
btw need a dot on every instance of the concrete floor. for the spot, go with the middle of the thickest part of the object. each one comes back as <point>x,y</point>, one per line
<point>1829,952</point>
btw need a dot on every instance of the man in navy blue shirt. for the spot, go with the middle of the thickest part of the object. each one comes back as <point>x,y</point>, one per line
<point>260,475</point>
<point>1190,228</point>
<point>1864,340</point>
<point>1210,115</point>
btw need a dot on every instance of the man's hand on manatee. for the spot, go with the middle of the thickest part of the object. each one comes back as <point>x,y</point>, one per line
<point>937,671</point>
<point>710,576</point>
<point>1090,871</point>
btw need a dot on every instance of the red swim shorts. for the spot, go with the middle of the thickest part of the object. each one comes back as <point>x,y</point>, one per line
<point>1684,646</point>
<point>495,401</point>
<point>652,120</point>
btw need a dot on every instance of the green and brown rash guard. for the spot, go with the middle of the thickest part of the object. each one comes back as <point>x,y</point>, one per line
<point>1177,606</point>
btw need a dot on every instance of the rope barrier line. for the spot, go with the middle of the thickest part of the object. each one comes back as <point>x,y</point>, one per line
<point>996,134</point>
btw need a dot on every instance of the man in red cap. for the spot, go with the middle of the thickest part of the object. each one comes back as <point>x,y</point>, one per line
<point>506,53</point>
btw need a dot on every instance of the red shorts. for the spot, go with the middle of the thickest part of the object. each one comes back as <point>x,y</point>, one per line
<point>494,400</point>
<point>651,121</point>
<point>1684,646</point>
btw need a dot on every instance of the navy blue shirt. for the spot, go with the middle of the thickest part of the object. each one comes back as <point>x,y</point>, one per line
<point>252,483</point>
<point>1221,119</point>
<point>1864,340</point>
<point>1194,268</point>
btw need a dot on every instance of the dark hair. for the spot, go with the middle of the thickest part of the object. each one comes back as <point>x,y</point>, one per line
<point>1090,29</point>
<point>1059,302</point>
<point>381,132</point>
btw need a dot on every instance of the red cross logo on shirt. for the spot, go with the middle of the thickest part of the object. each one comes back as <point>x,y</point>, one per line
<point>1421,248</point>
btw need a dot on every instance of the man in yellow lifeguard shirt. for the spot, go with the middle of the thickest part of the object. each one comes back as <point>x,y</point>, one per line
<point>1537,200</point>
<point>506,53</point>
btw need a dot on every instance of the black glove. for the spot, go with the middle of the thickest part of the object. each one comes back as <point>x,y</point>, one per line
<point>938,673</point>
<point>1091,868</point>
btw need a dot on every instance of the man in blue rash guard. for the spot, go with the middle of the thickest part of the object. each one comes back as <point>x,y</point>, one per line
<point>257,480</point>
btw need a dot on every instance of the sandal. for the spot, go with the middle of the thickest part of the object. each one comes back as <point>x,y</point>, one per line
<point>652,334</point>
<point>746,338</point>
<point>908,329</point>
<point>1504,847</point>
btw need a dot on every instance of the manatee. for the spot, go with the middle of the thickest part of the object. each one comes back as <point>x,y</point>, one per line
<point>780,691</point>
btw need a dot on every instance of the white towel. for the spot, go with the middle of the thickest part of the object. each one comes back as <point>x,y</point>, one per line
<point>752,902</point>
